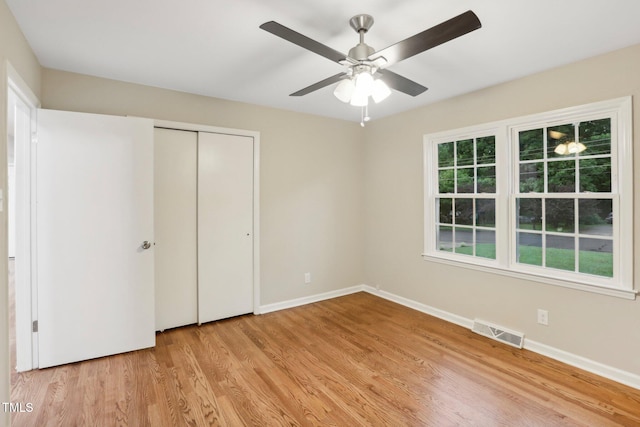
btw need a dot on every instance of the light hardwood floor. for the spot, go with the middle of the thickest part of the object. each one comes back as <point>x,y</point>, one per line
<point>351,361</point>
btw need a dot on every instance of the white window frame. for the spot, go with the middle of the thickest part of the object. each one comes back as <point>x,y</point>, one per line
<point>507,179</point>
<point>431,158</point>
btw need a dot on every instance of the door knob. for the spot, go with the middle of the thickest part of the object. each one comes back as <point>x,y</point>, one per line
<point>146,244</point>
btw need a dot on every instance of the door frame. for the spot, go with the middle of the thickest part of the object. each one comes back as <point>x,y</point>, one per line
<point>26,296</point>
<point>256,188</point>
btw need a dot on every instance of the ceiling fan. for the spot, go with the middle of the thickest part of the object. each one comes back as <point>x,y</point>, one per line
<point>363,62</point>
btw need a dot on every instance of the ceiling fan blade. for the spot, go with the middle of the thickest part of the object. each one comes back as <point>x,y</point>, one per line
<point>402,84</point>
<point>303,41</point>
<point>434,36</point>
<point>320,84</point>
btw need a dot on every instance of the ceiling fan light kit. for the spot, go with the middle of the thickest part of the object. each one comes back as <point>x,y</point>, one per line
<point>358,83</point>
<point>357,89</point>
<point>380,91</point>
<point>344,90</point>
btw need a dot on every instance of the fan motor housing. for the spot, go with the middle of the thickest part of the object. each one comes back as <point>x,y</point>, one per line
<point>361,51</point>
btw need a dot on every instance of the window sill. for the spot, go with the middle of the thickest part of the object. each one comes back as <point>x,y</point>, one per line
<point>629,294</point>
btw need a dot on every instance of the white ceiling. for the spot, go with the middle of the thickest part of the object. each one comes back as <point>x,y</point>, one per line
<point>215,48</point>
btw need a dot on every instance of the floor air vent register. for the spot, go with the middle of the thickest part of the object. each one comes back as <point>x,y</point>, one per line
<point>498,333</point>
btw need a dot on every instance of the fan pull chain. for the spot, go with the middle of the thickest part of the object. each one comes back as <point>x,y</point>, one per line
<point>364,117</point>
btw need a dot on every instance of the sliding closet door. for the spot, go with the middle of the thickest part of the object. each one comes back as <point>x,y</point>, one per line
<point>225,226</point>
<point>175,182</point>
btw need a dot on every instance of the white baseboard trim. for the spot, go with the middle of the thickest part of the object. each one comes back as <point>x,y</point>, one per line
<point>615,374</point>
<point>441,314</point>
<point>606,371</point>
<point>268,308</point>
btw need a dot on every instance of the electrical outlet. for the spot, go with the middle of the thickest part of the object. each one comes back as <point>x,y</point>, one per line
<point>307,278</point>
<point>543,317</point>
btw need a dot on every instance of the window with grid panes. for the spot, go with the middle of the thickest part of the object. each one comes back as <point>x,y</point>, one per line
<point>547,197</point>
<point>564,206</point>
<point>466,204</point>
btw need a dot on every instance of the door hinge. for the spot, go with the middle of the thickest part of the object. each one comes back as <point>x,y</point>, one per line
<point>35,326</point>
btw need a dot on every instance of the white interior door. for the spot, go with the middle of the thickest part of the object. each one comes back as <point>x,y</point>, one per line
<point>225,226</point>
<point>176,263</point>
<point>94,211</point>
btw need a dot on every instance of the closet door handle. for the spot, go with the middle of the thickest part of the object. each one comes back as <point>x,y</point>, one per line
<point>146,244</point>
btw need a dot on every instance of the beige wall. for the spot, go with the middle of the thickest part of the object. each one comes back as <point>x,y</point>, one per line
<point>15,50</point>
<point>601,328</point>
<point>310,178</point>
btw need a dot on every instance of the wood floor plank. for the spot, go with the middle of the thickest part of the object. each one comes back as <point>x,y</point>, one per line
<point>354,360</point>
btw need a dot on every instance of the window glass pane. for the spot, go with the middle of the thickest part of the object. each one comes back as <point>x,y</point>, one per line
<point>445,238</point>
<point>558,138</point>
<point>445,154</point>
<point>486,212</point>
<point>596,257</point>
<point>465,180</point>
<point>562,176</point>
<point>595,175</point>
<point>532,177</point>
<point>486,150</point>
<point>487,179</point>
<point>464,211</point>
<point>531,144</point>
<point>464,152</point>
<point>529,214</point>
<point>559,215</point>
<point>446,180</point>
<point>596,216</point>
<point>486,244</point>
<point>463,241</point>
<point>445,211</point>
<point>560,252</point>
<point>466,167</point>
<point>529,248</point>
<point>596,136</point>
